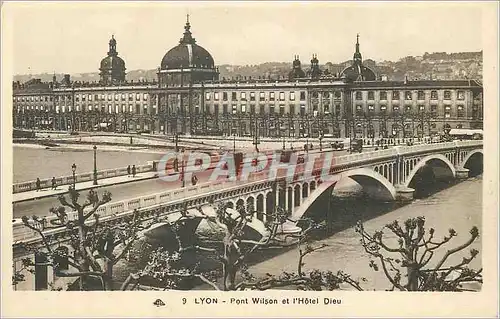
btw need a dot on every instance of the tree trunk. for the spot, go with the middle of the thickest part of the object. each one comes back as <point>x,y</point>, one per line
<point>108,275</point>
<point>84,260</point>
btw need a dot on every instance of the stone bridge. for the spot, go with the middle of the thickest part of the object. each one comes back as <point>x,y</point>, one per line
<point>385,174</point>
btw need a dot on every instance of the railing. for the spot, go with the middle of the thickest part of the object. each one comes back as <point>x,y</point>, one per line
<point>84,177</point>
<point>20,232</point>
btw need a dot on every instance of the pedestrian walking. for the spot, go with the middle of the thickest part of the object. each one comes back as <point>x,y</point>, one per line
<point>38,184</point>
<point>128,170</point>
<point>133,171</point>
<point>54,186</point>
<point>194,180</point>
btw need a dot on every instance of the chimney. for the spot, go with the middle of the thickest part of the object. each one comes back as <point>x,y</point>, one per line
<point>406,79</point>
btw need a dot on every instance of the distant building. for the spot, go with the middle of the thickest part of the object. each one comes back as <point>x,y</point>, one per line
<point>190,98</point>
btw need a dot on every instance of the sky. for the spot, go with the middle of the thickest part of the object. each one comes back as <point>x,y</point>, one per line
<point>73,37</point>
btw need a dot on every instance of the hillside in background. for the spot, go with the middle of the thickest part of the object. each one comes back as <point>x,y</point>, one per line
<point>437,66</point>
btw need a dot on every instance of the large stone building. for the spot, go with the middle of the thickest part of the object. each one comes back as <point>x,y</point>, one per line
<point>189,98</point>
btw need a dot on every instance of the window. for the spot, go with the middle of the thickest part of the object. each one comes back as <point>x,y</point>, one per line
<point>282,96</point>
<point>145,96</point>
<point>234,96</point>
<point>395,108</point>
<point>243,95</point>
<point>460,95</point>
<point>137,109</point>
<point>252,108</point>
<point>395,95</point>
<point>252,96</point>
<point>408,108</point>
<point>138,96</point>
<point>282,110</point>
<point>216,109</point>
<point>407,95</point>
<point>359,110</point>
<point>291,109</point>
<point>243,108</point>
<point>326,108</point>
<point>292,96</point>
<point>302,96</point>
<point>315,95</point>
<point>271,96</point>
<point>261,111</point>
<point>207,96</point>
<point>116,97</point>
<point>447,114</point>
<point>421,108</point>
<point>224,109</point>
<point>271,109</point>
<point>359,95</point>
<point>434,110</point>
<point>447,95</point>
<point>460,111</point>
<point>262,96</point>
<point>434,95</point>
<point>234,109</point>
<point>383,109</point>
<point>420,95</point>
<point>371,95</point>
<point>326,95</point>
<point>224,96</point>
<point>371,108</point>
<point>77,97</point>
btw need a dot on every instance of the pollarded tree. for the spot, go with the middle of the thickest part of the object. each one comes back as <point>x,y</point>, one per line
<point>97,246</point>
<point>235,249</point>
<point>412,258</point>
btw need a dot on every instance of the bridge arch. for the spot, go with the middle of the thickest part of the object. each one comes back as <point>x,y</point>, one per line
<point>436,157</point>
<point>373,183</point>
<point>469,155</point>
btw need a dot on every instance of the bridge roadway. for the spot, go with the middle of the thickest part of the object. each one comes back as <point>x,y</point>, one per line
<point>120,192</point>
<point>391,169</point>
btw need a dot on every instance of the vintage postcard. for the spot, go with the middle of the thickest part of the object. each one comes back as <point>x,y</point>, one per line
<point>236,159</point>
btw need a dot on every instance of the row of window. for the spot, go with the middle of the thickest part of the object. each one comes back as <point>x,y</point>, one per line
<point>85,97</point>
<point>110,108</point>
<point>408,95</point>
<point>262,96</point>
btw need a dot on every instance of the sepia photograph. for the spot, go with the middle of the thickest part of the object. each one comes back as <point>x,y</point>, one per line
<point>263,155</point>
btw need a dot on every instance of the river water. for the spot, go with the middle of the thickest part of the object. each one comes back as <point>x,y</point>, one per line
<point>458,207</point>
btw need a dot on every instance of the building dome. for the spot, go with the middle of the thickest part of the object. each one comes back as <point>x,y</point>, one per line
<point>112,62</point>
<point>187,54</point>
<point>357,71</point>
<point>112,66</point>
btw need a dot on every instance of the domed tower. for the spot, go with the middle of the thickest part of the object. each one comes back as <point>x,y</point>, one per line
<point>187,62</point>
<point>296,71</point>
<point>357,71</point>
<point>112,67</point>
<point>315,71</point>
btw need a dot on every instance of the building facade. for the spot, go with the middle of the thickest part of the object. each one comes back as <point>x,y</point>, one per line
<point>189,98</point>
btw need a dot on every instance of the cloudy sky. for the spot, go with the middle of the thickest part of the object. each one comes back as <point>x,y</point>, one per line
<point>73,38</point>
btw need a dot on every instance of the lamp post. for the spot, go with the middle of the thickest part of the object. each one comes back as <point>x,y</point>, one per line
<point>182,169</point>
<point>95,165</point>
<point>73,168</point>
<point>234,143</point>
<point>283,143</point>
<point>320,139</point>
